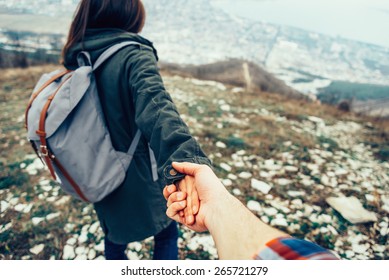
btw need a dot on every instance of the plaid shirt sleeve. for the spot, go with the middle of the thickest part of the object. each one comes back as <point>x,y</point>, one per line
<point>288,248</point>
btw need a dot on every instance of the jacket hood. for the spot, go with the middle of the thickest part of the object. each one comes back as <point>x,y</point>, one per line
<point>96,41</point>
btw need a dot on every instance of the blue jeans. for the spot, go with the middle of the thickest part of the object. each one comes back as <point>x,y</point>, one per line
<point>165,246</point>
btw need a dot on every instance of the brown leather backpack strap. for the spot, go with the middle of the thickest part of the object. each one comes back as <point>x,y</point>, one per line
<point>35,94</point>
<point>46,154</point>
<point>70,179</point>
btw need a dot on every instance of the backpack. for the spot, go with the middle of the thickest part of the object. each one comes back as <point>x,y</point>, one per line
<point>66,127</point>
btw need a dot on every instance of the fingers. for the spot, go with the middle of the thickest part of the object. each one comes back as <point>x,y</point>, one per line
<point>176,197</point>
<point>195,202</point>
<point>173,210</point>
<point>190,188</point>
<point>168,190</point>
<point>186,167</point>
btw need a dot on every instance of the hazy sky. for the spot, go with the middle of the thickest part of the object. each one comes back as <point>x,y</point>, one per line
<point>362,20</point>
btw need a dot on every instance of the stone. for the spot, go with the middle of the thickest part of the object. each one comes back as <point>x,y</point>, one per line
<point>81,250</point>
<point>283,181</point>
<point>53,216</point>
<point>360,248</point>
<point>71,241</point>
<point>99,247</point>
<point>265,219</point>
<point>245,175</point>
<point>83,237</point>
<point>221,145</point>
<point>37,249</point>
<point>291,169</point>
<point>296,193</point>
<point>264,174</point>
<point>68,253</point>
<point>37,220</point>
<point>137,246</point>
<point>91,254</point>
<point>236,191</point>
<point>225,107</point>
<point>349,254</point>
<point>279,222</point>
<point>63,200</point>
<point>351,209</point>
<point>260,186</point>
<point>270,211</point>
<point>81,257</point>
<point>232,176</point>
<point>225,166</point>
<point>227,182</point>
<point>254,206</point>
<point>94,227</point>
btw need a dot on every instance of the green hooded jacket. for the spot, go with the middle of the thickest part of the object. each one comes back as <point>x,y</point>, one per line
<point>133,96</point>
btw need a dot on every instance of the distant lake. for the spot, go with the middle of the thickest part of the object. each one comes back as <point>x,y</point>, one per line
<point>362,20</point>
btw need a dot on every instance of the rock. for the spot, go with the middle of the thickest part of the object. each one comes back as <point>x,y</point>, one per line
<point>360,248</point>
<point>316,120</point>
<point>227,182</point>
<point>137,246</point>
<point>280,207</point>
<point>333,230</point>
<point>68,253</point>
<point>4,205</point>
<point>279,222</point>
<point>81,257</point>
<point>225,107</point>
<point>71,241</point>
<point>94,227</point>
<point>379,248</point>
<point>291,169</point>
<point>254,206</point>
<point>63,200</point>
<point>349,254</point>
<point>265,219</point>
<point>221,145</point>
<point>23,208</point>
<point>81,250</point>
<point>264,174</point>
<point>33,168</point>
<point>37,220</point>
<point>270,211</point>
<point>53,216</point>
<point>91,254</point>
<point>236,191</point>
<point>232,176</point>
<point>351,209</point>
<point>245,175</point>
<point>296,193</point>
<point>99,247</point>
<point>283,181</point>
<point>37,249</point>
<point>83,237</point>
<point>260,186</point>
<point>225,166</point>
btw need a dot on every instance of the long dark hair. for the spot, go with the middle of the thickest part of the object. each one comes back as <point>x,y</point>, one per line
<point>128,15</point>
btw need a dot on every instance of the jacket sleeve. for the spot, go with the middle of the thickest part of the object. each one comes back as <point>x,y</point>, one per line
<point>158,119</point>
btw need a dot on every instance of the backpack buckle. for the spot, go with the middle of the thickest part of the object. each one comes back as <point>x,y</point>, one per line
<point>44,151</point>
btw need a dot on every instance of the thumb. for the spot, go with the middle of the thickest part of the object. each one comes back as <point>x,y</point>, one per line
<point>186,167</point>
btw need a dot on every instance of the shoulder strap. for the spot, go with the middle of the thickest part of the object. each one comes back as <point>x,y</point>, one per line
<point>110,51</point>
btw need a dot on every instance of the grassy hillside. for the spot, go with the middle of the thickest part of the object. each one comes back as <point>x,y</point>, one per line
<point>306,152</point>
<point>340,90</point>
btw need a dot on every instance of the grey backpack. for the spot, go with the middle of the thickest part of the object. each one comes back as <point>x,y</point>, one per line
<point>66,127</point>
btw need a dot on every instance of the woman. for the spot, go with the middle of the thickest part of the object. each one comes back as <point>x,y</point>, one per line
<point>133,96</point>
